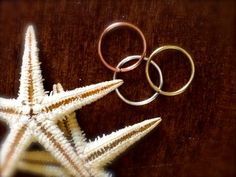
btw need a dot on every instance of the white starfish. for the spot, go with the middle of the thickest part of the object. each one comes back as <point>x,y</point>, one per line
<point>96,154</point>
<point>34,115</point>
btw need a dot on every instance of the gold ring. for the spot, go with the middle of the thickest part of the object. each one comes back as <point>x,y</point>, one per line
<point>158,89</point>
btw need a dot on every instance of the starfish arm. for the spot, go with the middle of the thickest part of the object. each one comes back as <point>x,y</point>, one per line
<point>43,157</point>
<point>70,126</point>
<point>103,150</point>
<point>31,82</point>
<point>16,142</point>
<point>53,140</point>
<point>8,110</point>
<point>42,163</point>
<point>67,102</point>
<point>73,132</point>
<point>42,169</point>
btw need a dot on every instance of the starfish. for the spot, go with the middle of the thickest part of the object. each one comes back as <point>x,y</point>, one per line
<point>96,154</point>
<point>34,115</point>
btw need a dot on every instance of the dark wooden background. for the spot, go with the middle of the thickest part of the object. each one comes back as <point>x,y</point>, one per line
<point>197,135</point>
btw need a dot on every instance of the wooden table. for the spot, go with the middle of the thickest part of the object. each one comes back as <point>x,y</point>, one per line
<point>197,135</point>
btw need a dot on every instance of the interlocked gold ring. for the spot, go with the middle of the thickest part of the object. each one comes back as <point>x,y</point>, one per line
<point>158,89</point>
<point>111,27</point>
<point>148,100</point>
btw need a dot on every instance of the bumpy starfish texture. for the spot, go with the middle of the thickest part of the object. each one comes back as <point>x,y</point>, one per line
<point>34,115</point>
<point>96,153</point>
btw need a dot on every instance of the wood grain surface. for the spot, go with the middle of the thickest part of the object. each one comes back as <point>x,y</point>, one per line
<point>197,135</point>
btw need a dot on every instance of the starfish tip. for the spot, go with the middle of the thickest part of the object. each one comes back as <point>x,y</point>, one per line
<point>30,29</point>
<point>154,121</point>
<point>30,32</point>
<point>119,82</point>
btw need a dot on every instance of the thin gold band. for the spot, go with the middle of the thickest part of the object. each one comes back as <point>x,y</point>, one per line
<point>170,47</point>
